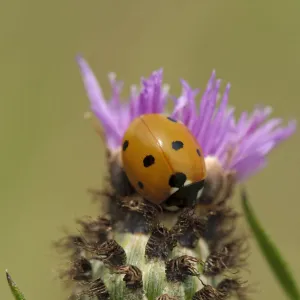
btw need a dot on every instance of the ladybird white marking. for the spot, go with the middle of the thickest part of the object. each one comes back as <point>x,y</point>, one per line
<point>199,193</point>
<point>187,182</point>
<point>173,190</point>
<point>172,208</point>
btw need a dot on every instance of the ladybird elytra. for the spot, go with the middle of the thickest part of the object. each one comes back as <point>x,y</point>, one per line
<point>161,157</point>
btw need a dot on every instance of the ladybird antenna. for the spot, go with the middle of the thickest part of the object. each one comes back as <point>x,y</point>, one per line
<point>97,127</point>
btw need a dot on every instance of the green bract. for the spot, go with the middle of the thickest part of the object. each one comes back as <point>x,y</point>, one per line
<point>271,253</point>
<point>14,289</point>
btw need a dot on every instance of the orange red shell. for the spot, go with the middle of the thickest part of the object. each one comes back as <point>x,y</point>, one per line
<point>160,155</point>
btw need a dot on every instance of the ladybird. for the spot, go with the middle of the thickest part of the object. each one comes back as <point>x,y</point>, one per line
<point>163,161</point>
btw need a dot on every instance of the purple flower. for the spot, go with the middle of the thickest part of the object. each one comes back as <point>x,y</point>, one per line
<point>239,144</point>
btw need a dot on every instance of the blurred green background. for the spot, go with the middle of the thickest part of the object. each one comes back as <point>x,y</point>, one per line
<point>50,155</point>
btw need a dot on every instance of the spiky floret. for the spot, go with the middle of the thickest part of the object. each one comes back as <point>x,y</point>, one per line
<point>136,250</point>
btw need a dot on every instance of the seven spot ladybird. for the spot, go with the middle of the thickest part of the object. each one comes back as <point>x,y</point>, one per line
<point>163,161</point>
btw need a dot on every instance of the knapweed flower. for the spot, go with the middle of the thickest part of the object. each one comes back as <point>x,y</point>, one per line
<point>240,144</point>
<point>135,249</point>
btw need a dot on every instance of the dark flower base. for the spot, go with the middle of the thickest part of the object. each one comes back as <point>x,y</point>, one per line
<point>125,211</point>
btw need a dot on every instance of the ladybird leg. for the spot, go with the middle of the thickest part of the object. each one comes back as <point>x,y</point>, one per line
<point>199,193</point>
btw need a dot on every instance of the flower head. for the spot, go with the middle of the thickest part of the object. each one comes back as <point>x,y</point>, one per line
<point>137,250</point>
<point>240,144</point>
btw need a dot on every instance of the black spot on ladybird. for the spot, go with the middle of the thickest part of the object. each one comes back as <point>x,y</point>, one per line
<point>140,184</point>
<point>177,180</point>
<point>177,145</point>
<point>171,119</point>
<point>148,161</point>
<point>198,152</point>
<point>125,145</point>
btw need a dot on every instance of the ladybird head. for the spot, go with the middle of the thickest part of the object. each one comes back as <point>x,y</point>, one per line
<point>186,196</point>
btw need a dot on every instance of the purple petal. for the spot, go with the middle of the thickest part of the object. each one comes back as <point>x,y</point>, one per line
<point>181,102</point>
<point>249,165</point>
<point>240,144</point>
<point>133,102</point>
<point>217,123</point>
<point>158,100</point>
<point>97,101</point>
<point>116,87</point>
<point>204,102</point>
<point>211,105</point>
